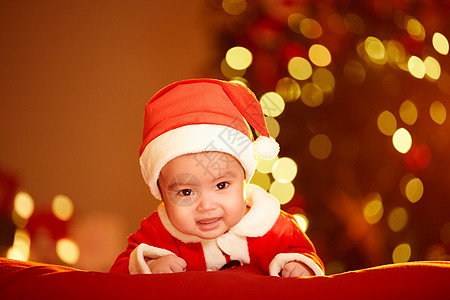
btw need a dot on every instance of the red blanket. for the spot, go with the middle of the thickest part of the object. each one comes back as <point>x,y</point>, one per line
<point>418,280</point>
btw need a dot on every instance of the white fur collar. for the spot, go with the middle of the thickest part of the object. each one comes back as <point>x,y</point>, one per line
<point>263,213</point>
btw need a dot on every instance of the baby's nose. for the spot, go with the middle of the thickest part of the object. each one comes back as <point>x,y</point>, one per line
<point>207,202</point>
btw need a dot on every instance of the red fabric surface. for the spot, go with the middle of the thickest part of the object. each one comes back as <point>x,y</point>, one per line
<point>419,280</point>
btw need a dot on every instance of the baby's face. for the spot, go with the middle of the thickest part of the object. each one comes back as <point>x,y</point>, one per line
<point>203,193</point>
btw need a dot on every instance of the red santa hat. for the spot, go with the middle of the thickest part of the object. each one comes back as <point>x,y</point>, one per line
<point>201,115</point>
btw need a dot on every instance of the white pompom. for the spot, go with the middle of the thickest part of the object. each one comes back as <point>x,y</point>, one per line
<point>266,147</point>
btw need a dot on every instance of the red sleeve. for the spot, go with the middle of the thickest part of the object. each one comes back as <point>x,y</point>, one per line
<point>152,233</point>
<point>284,237</point>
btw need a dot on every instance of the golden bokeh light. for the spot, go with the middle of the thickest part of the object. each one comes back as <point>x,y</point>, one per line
<point>387,123</point>
<point>408,112</point>
<point>229,72</point>
<point>324,78</point>
<point>415,29</point>
<point>312,95</point>
<point>397,219</point>
<point>293,21</point>
<point>354,72</point>
<point>20,250</point>
<point>319,55</point>
<point>310,28</point>
<point>272,104</point>
<point>375,50</point>
<point>234,7</point>
<point>416,67</point>
<point>261,179</point>
<point>265,165</point>
<point>414,190</point>
<point>432,68</point>
<point>284,170</point>
<point>288,89</point>
<point>62,207</point>
<point>240,80</point>
<point>402,141</point>
<point>67,251</point>
<point>440,43</point>
<point>282,191</point>
<point>395,53</point>
<point>373,209</point>
<point>299,68</point>
<point>239,58</point>
<point>23,205</point>
<point>320,146</point>
<point>438,113</point>
<point>302,221</point>
<point>273,126</point>
<point>401,253</point>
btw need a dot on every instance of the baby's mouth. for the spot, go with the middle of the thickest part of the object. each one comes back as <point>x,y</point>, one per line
<point>209,224</point>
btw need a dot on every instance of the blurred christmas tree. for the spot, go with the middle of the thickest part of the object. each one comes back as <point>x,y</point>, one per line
<point>356,93</point>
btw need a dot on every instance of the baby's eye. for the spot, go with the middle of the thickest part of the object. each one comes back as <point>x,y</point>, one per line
<point>185,192</point>
<point>222,185</point>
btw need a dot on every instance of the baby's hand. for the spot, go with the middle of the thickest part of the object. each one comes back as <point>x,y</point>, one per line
<point>167,264</point>
<point>296,269</point>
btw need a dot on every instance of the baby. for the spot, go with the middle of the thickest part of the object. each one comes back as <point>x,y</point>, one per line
<point>198,156</point>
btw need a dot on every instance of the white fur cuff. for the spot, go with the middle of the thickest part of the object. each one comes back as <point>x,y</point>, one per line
<point>280,260</point>
<point>138,264</point>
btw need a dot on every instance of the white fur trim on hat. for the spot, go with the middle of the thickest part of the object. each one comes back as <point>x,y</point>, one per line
<point>266,147</point>
<point>195,139</point>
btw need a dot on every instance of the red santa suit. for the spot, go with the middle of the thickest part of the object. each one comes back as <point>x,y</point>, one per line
<point>265,237</point>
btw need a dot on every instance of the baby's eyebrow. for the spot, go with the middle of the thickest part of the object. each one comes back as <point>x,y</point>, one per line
<point>226,174</point>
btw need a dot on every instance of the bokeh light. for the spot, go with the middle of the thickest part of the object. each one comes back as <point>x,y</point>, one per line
<point>373,210</point>
<point>355,23</point>
<point>62,207</point>
<point>67,251</point>
<point>239,58</point>
<point>432,68</point>
<point>415,29</point>
<point>288,89</point>
<point>272,104</point>
<point>284,170</point>
<point>320,146</point>
<point>299,68</point>
<point>438,112</point>
<point>401,253</point>
<point>234,7</point>
<point>229,72</point>
<point>416,67</point>
<point>408,112</point>
<point>319,55</point>
<point>282,191</point>
<point>23,205</point>
<point>312,95</point>
<point>310,28</point>
<point>20,250</point>
<point>324,79</point>
<point>261,179</point>
<point>302,221</point>
<point>402,140</point>
<point>397,219</point>
<point>273,126</point>
<point>440,43</point>
<point>387,123</point>
<point>375,50</point>
<point>265,165</point>
<point>414,190</point>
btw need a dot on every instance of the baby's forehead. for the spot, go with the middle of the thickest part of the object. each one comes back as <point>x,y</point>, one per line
<point>208,162</point>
